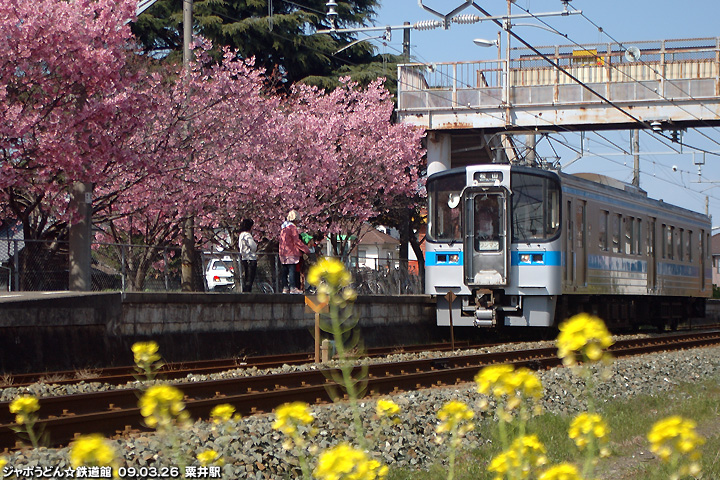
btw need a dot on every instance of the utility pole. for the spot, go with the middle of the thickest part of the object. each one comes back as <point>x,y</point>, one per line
<point>636,157</point>
<point>187,253</point>
<point>406,42</point>
<point>80,278</point>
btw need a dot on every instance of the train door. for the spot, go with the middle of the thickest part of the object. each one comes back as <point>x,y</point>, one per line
<point>580,275</point>
<point>651,254</point>
<point>703,255</point>
<point>569,242</point>
<point>486,237</point>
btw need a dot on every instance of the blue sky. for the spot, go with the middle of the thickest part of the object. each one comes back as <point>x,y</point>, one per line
<point>626,21</point>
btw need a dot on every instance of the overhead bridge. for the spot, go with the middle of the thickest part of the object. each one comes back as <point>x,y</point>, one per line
<point>665,85</point>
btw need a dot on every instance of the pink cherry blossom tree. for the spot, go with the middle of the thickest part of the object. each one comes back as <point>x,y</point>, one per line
<point>67,103</point>
<point>207,133</point>
<point>353,160</point>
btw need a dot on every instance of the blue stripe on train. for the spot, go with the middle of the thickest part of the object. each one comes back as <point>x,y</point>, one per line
<point>616,264</point>
<point>444,258</point>
<point>536,259</point>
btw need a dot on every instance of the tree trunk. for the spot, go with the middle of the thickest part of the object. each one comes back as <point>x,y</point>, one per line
<point>187,256</point>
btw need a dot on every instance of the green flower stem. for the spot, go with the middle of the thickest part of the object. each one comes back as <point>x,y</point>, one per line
<point>451,459</point>
<point>300,454</point>
<point>31,433</point>
<point>346,368</point>
<point>589,464</point>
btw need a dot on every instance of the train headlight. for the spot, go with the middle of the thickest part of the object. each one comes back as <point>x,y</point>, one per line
<point>524,258</point>
<point>538,258</point>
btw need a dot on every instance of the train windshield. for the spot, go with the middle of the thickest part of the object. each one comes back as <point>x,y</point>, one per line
<point>535,207</point>
<point>444,194</point>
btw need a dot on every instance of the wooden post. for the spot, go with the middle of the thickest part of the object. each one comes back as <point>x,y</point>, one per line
<point>317,337</point>
<point>450,297</point>
<point>317,308</point>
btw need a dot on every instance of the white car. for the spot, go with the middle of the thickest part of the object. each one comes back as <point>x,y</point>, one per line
<point>219,274</point>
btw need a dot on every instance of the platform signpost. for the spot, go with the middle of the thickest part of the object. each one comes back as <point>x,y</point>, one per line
<point>317,308</point>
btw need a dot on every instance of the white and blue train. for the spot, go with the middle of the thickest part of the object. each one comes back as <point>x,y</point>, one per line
<point>524,246</point>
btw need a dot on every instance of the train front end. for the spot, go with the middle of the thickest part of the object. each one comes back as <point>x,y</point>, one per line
<point>494,242</point>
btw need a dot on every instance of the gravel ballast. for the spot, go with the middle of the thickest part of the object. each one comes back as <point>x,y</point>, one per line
<point>252,449</point>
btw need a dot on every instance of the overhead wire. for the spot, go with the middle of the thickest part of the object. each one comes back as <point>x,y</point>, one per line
<point>627,75</point>
<point>644,123</point>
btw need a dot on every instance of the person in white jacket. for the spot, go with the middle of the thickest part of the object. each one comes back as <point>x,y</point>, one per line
<point>248,254</point>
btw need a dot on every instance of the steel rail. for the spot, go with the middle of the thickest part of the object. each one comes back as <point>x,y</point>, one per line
<point>116,411</point>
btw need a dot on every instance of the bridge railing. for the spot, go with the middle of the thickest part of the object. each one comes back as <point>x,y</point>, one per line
<point>667,69</point>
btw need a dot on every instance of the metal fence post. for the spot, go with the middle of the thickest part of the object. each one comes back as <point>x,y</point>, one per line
<point>123,272</point>
<point>165,269</point>
<point>16,261</point>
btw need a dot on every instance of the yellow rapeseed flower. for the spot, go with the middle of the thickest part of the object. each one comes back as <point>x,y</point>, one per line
<point>3,462</point>
<point>586,427</point>
<point>564,471</point>
<point>24,407</point>
<point>208,457</point>
<point>291,415</point>
<point>491,380</point>
<point>344,462</point>
<point>331,272</point>
<point>455,415</point>
<point>584,334</point>
<point>675,436</point>
<point>387,408</point>
<point>91,450</point>
<point>503,381</point>
<point>525,383</point>
<point>145,353</point>
<point>524,455</point>
<point>222,413</point>
<point>161,405</point>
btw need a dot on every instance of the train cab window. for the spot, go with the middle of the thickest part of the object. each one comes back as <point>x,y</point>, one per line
<point>616,233</point>
<point>488,211</point>
<point>535,207</point>
<point>444,205</point>
<point>602,230</point>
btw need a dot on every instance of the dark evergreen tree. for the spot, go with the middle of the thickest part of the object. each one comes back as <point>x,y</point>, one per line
<point>284,43</point>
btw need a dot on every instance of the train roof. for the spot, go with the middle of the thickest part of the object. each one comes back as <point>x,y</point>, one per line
<point>602,182</point>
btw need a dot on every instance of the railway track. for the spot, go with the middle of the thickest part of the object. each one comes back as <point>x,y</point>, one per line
<point>173,371</point>
<point>116,412</point>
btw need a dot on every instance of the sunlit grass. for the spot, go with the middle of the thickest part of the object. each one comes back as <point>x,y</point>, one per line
<point>629,421</point>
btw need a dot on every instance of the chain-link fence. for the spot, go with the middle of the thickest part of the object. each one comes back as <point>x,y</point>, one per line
<point>42,266</point>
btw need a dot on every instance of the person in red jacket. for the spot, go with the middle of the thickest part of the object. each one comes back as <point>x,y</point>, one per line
<point>291,249</point>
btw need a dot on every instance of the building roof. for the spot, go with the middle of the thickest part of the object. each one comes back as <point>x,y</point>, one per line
<point>369,235</point>
<point>715,244</point>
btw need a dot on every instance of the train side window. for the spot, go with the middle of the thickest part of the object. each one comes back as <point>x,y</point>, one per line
<point>602,230</point>
<point>628,240</point>
<point>679,244</point>
<point>707,245</point>
<point>669,242</point>
<point>688,246</point>
<point>638,236</point>
<point>650,246</point>
<point>616,233</point>
<point>663,240</point>
<point>580,225</point>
